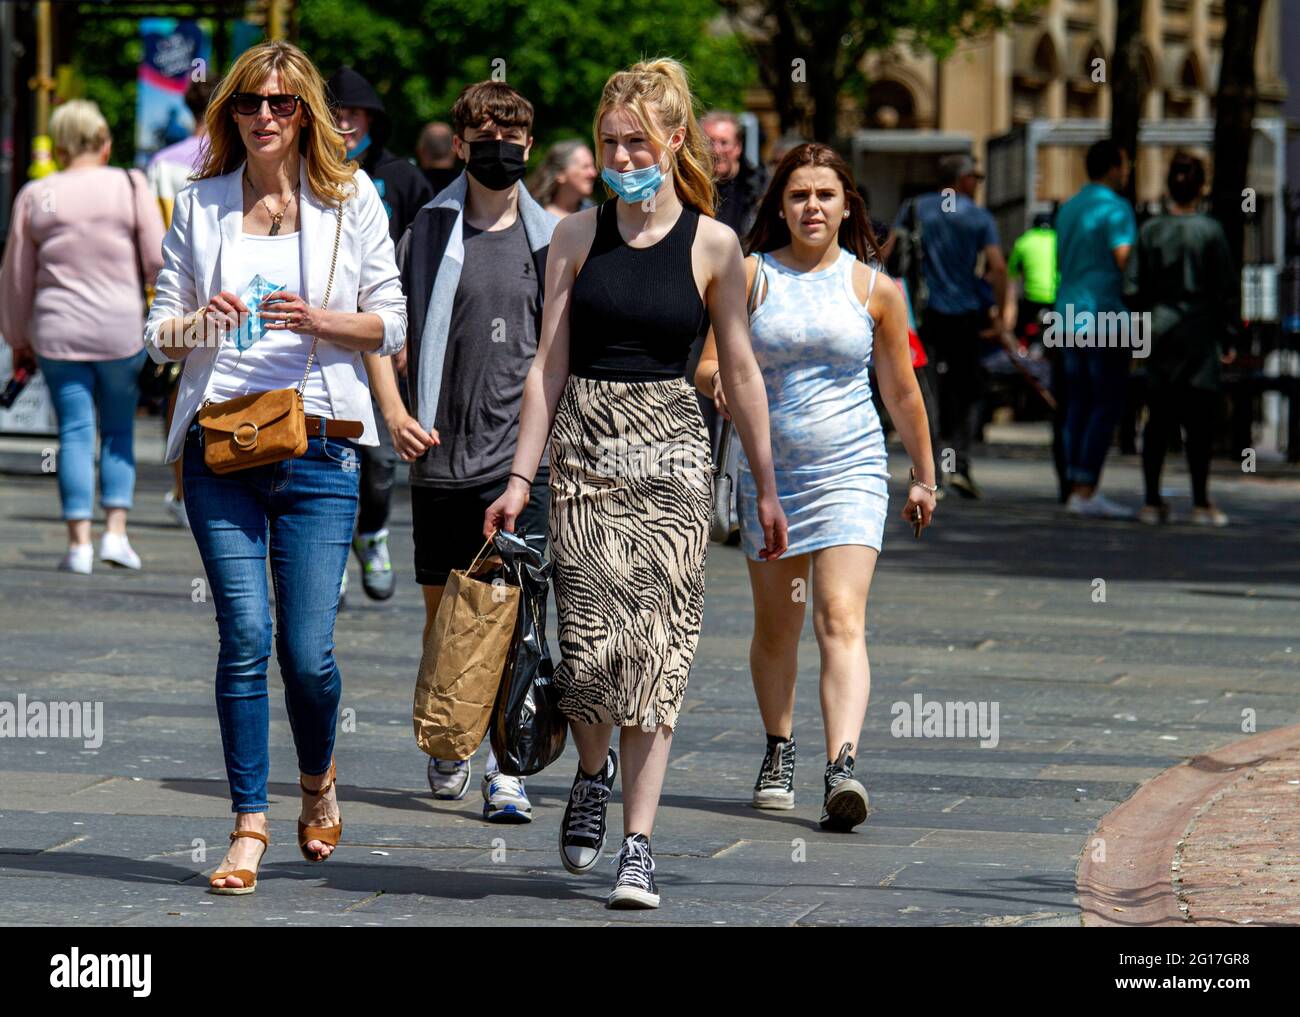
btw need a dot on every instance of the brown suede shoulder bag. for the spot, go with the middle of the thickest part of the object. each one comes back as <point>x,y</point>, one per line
<point>262,427</point>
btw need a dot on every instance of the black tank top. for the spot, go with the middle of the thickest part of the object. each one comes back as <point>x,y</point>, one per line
<point>635,312</point>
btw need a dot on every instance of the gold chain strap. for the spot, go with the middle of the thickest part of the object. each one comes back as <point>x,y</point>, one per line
<point>329,285</point>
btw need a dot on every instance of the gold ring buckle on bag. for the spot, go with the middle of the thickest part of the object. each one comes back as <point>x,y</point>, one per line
<point>244,442</point>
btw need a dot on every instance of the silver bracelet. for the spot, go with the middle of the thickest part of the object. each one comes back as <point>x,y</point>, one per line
<point>913,482</point>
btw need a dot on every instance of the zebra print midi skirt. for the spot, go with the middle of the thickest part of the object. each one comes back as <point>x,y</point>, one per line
<point>631,493</point>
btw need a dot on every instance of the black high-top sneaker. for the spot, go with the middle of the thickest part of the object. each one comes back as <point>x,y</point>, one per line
<point>846,803</point>
<point>582,833</point>
<point>635,885</point>
<point>774,788</point>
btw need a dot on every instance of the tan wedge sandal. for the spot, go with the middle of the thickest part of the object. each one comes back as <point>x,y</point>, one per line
<point>248,876</point>
<point>325,834</point>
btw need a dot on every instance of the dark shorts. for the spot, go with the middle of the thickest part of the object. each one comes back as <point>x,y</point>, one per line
<point>448,524</point>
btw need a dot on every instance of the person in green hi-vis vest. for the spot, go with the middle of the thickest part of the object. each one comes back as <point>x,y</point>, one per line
<point>1033,261</point>
<point>1033,265</point>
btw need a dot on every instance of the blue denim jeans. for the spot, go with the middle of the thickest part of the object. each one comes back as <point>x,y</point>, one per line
<point>1096,385</point>
<point>77,388</point>
<point>299,511</point>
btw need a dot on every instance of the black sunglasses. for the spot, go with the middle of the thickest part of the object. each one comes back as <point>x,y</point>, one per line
<point>248,104</point>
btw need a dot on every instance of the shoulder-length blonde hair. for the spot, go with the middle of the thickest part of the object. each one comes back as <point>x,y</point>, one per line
<point>657,94</point>
<point>329,174</point>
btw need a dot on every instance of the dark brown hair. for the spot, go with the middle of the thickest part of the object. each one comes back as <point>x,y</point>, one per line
<point>490,100</point>
<point>1186,178</point>
<point>770,231</point>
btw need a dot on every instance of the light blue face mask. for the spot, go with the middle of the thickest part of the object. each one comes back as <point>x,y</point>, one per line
<point>362,145</point>
<point>634,185</point>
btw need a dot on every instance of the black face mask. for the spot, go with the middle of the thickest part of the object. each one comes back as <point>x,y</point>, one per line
<point>496,164</point>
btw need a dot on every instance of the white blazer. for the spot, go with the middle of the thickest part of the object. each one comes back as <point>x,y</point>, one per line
<point>201,258</point>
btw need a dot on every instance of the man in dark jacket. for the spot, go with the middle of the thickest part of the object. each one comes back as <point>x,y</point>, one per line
<point>360,116</point>
<point>740,183</point>
<point>740,189</point>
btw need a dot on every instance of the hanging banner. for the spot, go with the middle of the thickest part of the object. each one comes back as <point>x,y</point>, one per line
<point>176,52</point>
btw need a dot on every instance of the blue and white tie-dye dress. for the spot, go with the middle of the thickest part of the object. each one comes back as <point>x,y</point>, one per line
<point>812,339</point>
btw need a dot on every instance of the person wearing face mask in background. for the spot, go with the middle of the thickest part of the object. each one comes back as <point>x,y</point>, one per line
<point>360,117</point>
<point>473,265</point>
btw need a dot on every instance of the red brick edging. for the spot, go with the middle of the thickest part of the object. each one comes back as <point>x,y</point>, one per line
<point>1133,885</point>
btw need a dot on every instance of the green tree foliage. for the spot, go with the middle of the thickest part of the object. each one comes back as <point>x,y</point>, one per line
<point>105,55</point>
<point>830,38</point>
<point>419,54</point>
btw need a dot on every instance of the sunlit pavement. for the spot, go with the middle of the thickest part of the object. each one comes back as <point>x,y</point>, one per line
<point>1110,651</point>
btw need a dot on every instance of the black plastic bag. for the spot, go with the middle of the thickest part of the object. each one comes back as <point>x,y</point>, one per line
<point>527,730</point>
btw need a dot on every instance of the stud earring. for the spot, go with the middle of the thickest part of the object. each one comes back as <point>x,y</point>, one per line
<point>846,213</point>
<point>780,215</point>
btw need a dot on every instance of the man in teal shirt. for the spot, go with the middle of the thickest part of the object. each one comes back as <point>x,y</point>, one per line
<point>1094,232</point>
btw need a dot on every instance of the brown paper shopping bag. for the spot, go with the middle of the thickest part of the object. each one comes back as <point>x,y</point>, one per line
<point>464,659</point>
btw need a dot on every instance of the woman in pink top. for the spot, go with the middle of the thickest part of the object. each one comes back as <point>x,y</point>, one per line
<point>71,305</point>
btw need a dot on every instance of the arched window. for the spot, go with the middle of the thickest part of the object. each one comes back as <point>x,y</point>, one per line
<point>1086,78</point>
<point>890,104</point>
<point>1035,65</point>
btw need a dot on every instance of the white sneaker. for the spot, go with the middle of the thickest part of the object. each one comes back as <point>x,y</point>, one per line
<point>176,508</point>
<point>448,778</point>
<point>1096,507</point>
<point>505,800</point>
<point>1209,516</point>
<point>1153,515</point>
<point>79,559</point>
<point>115,549</point>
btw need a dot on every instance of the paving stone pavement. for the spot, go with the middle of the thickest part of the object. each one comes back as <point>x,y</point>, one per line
<point>1238,861</point>
<point>997,604</point>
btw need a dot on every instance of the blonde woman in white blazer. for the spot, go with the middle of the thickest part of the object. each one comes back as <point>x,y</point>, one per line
<point>267,203</point>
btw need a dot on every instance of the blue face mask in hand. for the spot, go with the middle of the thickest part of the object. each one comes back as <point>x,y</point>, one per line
<point>253,328</point>
<point>634,185</point>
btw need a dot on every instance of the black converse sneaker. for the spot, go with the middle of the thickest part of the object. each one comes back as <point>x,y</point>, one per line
<point>582,833</point>
<point>635,885</point>
<point>774,788</point>
<point>846,803</point>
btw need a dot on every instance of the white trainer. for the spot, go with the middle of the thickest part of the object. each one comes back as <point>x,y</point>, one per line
<point>1096,507</point>
<point>1209,515</point>
<point>504,799</point>
<point>115,549</point>
<point>79,559</point>
<point>448,778</point>
<point>176,509</point>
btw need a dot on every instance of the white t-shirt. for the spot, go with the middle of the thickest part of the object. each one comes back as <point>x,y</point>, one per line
<point>278,359</point>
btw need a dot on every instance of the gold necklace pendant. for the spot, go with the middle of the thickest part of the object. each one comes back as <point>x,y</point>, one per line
<point>276,217</point>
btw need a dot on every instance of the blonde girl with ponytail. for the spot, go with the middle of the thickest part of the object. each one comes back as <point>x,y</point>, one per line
<point>630,286</point>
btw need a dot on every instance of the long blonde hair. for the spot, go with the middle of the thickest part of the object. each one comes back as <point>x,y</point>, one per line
<point>657,94</point>
<point>329,174</point>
